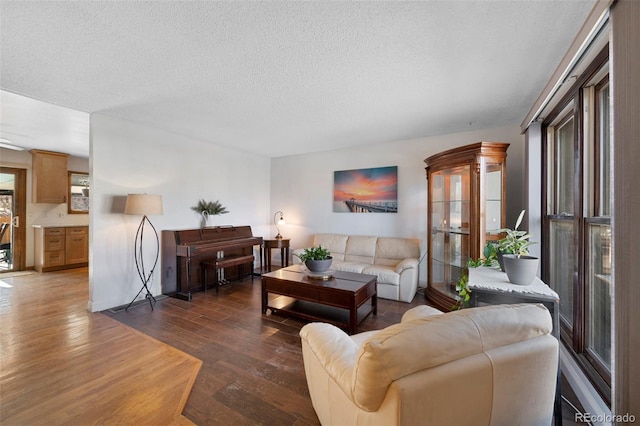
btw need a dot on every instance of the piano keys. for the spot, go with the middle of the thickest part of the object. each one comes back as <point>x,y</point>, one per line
<point>184,250</point>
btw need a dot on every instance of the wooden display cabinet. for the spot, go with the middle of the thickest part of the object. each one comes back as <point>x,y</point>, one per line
<point>466,208</point>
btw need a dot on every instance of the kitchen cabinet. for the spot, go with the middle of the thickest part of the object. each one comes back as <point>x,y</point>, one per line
<point>61,247</point>
<point>49,177</point>
<point>76,245</point>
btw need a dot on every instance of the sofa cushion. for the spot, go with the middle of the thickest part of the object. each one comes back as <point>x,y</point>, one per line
<point>361,249</point>
<point>349,266</point>
<point>434,340</point>
<point>335,243</point>
<point>390,251</point>
<point>397,275</point>
<point>385,274</point>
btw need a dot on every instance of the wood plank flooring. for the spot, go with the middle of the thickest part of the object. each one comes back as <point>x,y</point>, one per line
<point>252,370</point>
<point>60,364</point>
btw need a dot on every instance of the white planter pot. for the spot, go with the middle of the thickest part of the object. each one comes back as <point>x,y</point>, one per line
<point>521,270</point>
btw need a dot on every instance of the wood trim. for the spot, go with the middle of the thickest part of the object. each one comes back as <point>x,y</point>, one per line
<point>625,15</point>
<point>20,209</point>
<point>439,298</point>
<point>569,60</point>
<point>597,211</point>
<point>69,209</point>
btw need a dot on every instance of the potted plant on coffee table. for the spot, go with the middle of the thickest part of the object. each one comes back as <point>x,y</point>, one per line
<point>316,259</point>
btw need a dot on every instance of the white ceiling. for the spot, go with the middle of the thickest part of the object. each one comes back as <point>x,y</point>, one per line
<point>277,78</point>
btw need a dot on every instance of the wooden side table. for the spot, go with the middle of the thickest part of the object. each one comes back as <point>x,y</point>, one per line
<point>491,286</point>
<point>282,244</point>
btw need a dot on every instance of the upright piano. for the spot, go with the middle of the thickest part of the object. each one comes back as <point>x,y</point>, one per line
<point>184,250</point>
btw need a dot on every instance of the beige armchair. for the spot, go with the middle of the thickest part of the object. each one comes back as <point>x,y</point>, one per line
<point>493,365</point>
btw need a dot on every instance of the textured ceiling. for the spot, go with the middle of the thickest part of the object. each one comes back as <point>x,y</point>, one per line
<point>283,78</point>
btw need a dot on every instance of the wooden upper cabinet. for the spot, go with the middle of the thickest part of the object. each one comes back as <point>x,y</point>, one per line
<point>49,177</point>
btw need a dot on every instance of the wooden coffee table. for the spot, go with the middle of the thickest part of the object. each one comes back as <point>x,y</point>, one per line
<point>339,300</point>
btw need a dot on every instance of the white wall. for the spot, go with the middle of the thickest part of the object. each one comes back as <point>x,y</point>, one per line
<point>131,158</point>
<point>302,187</point>
<point>40,213</point>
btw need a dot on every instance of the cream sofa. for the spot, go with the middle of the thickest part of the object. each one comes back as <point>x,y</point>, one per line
<point>393,260</point>
<point>493,365</point>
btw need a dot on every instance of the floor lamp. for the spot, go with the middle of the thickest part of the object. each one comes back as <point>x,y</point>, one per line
<point>144,204</point>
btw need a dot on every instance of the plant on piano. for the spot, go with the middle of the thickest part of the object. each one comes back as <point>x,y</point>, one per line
<point>209,208</point>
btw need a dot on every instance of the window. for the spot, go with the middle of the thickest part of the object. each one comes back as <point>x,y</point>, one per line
<point>561,220</point>
<point>577,220</point>
<point>598,278</point>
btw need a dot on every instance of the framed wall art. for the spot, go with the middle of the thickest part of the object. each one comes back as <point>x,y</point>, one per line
<point>372,190</point>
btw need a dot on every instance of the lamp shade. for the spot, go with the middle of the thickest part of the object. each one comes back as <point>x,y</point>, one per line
<point>143,204</point>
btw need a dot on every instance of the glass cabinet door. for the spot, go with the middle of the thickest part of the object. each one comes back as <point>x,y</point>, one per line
<point>493,200</point>
<point>493,204</point>
<point>437,221</point>
<point>450,192</point>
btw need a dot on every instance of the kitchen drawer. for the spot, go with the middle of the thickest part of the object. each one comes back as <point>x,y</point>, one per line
<point>54,258</point>
<point>54,242</point>
<point>54,231</point>
<point>77,230</point>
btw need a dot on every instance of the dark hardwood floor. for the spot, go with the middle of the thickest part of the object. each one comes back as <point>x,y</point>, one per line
<point>252,371</point>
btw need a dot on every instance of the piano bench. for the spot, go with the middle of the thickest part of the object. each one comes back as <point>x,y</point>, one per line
<point>225,262</point>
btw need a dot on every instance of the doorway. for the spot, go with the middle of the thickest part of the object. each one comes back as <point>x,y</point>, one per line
<point>13,206</point>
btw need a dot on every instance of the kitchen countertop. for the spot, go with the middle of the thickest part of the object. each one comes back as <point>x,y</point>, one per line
<point>59,225</point>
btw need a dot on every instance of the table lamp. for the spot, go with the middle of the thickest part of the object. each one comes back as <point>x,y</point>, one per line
<point>277,222</point>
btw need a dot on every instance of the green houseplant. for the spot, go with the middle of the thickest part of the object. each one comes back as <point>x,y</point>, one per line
<point>514,249</point>
<point>462,285</point>
<point>316,259</point>
<point>208,208</point>
<point>463,290</point>
<point>515,242</point>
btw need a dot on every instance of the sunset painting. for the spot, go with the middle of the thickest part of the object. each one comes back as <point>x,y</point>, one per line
<point>366,190</point>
